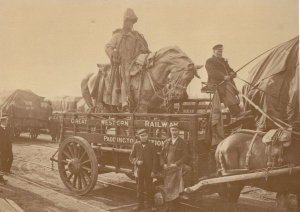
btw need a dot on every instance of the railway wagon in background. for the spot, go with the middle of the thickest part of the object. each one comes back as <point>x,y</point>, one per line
<point>27,112</point>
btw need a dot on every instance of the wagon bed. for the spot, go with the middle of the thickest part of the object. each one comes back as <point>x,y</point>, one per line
<point>97,143</point>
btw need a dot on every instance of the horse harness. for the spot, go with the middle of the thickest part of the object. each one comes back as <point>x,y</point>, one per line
<point>275,139</point>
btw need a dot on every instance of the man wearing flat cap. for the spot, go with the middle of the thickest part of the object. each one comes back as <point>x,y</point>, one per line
<point>124,47</point>
<point>174,159</point>
<point>6,155</point>
<point>220,76</point>
<point>143,157</point>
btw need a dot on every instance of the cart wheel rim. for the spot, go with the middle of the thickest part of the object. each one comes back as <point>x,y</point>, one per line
<point>77,165</point>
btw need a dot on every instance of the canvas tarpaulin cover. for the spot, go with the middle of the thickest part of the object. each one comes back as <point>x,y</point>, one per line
<point>64,103</point>
<point>104,87</point>
<point>278,76</point>
<point>24,104</point>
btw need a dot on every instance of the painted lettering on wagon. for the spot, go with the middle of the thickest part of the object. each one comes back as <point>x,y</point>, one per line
<point>79,121</point>
<point>160,124</point>
<point>118,123</point>
<point>157,142</point>
<point>114,139</point>
<point>129,140</point>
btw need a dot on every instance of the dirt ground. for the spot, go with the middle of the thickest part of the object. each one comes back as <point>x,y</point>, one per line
<point>35,187</point>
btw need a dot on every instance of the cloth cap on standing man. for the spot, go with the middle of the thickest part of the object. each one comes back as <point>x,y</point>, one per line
<point>218,46</point>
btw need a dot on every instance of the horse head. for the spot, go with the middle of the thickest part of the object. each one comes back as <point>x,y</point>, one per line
<point>178,80</point>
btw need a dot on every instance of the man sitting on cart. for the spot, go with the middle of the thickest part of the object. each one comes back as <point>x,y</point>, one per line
<point>220,77</point>
<point>176,171</point>
<point>143,157</point>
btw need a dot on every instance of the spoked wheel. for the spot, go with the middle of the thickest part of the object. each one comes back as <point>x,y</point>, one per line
<point>77,165</point>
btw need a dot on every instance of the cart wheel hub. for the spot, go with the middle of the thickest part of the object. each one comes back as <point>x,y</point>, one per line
<point>74,165</point>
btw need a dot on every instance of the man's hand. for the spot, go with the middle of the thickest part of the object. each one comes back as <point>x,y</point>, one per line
<point>115,58</point>
<point>227,78</point>
<point>232,75</point>
<point>165,166</point>
<point>139,162</point>
<point>152,174</point>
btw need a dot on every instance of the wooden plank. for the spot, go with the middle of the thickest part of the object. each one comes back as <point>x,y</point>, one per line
<point>15,206</point>
<point>90,137</point>
<point>195,107</point>
<point>194,100</point>
<point>5,206</point>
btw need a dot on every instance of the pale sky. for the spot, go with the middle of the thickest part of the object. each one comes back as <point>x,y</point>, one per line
<point>49,46</point>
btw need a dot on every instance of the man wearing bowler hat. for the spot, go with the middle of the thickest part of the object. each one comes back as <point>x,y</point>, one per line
<point>124,47</point>
<point>220,77</point>
<point>174,160</point>
<point>143,157</point>
<point>6,155</point>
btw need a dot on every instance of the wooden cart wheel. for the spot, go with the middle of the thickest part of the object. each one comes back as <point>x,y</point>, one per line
<point>77,165</point>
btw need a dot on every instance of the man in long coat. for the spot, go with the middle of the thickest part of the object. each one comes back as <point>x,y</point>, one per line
<point>125,45</point>
<point>220,76</point>
<point>174,160</point>
<point>6,155</point>
<point>143,157</point>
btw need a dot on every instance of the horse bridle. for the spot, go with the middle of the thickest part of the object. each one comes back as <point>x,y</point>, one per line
<point>160,87</point>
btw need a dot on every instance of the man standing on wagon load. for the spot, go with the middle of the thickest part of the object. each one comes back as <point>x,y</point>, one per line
<point>174,159</point>
<point>143,157</point>
<point>220,76</point>
<point>124,47</point>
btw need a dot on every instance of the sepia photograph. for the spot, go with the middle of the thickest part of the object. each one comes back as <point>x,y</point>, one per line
<point>149,105</point>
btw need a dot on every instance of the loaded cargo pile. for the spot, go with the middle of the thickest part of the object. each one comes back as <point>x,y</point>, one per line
<point>27,111</point>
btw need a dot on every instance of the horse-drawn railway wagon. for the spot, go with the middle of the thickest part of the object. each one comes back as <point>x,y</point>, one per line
<point>97,143</point>
<point>264,153</point>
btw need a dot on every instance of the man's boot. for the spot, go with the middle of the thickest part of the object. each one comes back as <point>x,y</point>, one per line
<point>150,206</point>
<point>139,207</point>
<point>171,206</point>
<point>2,180</point>
<point>235,110</point>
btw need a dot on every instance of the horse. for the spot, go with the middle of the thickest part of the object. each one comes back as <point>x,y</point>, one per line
<point>272,96</point>
<point>155,79</point>
<point>248,150</point>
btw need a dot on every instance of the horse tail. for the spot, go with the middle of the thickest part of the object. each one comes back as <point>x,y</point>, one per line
<point>85,91</point>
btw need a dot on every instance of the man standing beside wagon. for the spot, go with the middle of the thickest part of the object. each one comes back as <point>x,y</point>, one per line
<point>143,157</point>
<point>6,155</point>
<point>174,158</point>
